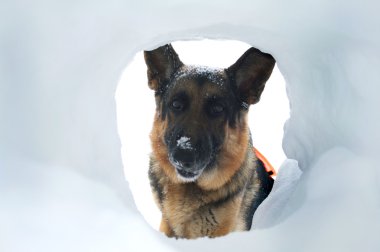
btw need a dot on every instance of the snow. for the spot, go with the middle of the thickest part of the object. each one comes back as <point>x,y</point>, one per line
<point>207,71</point>
<point>62,186</point>
<point>270,211</point>
<point>52,208</point>
<point>184,143</point>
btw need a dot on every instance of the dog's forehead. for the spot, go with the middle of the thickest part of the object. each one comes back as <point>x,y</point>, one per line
<point>201,79</point>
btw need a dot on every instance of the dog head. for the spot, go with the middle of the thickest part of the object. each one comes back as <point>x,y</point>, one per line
<point>200,127</point>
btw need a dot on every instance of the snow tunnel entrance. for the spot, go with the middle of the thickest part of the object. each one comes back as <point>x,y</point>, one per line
<point>136,105</point>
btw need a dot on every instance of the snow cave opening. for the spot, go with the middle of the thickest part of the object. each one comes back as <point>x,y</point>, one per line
<point>135,111</point>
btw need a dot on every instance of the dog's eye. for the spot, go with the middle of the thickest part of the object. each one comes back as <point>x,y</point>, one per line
<point>177,105</point>
<point>216,109</point>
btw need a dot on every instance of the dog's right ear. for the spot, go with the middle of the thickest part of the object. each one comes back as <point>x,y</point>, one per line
<point>162,63</point>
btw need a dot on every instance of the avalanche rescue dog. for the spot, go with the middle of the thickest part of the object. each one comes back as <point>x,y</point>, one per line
<point>203,172</point>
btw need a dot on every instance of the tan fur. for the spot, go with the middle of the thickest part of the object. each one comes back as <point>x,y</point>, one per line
<point>160,152</point>
<point>189,209</point>
<point>231,158</point>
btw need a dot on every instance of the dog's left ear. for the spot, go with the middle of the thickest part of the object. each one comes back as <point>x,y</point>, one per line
<point>162,63</point>
<point>250,73</point>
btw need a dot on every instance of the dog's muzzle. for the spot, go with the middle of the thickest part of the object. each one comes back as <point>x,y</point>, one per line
<point>189,154</point>
<point>186,163</point>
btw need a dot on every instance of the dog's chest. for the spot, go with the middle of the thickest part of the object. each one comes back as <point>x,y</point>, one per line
<point>193,213</point>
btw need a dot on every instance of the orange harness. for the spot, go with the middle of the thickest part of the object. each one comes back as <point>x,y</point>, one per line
<point>268,167</point>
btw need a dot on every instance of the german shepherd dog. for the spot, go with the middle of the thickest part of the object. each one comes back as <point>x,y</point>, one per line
<point>204,174</point>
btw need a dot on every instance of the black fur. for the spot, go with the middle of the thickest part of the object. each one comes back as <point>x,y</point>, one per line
<point>155,184</point>
<point>265,188</point>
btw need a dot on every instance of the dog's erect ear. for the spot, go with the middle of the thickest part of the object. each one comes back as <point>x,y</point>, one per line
<point>162,63</point>
<point>250,74</point>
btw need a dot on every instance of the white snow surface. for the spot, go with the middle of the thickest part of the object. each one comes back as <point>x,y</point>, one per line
<point>62,186</point>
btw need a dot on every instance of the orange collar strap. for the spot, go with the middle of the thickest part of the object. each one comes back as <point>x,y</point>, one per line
<point>268,167</point>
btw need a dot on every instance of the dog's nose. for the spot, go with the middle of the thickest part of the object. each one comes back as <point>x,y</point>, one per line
<point>185,158</point>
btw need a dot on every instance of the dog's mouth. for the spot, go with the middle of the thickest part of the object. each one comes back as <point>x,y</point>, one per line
<point>188,176</point>
<point>186,173</point>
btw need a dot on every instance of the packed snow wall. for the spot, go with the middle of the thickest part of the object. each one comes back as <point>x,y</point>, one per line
<point>61,179</point>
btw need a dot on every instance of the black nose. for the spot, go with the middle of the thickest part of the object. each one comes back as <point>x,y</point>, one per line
<point>185,158</point>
